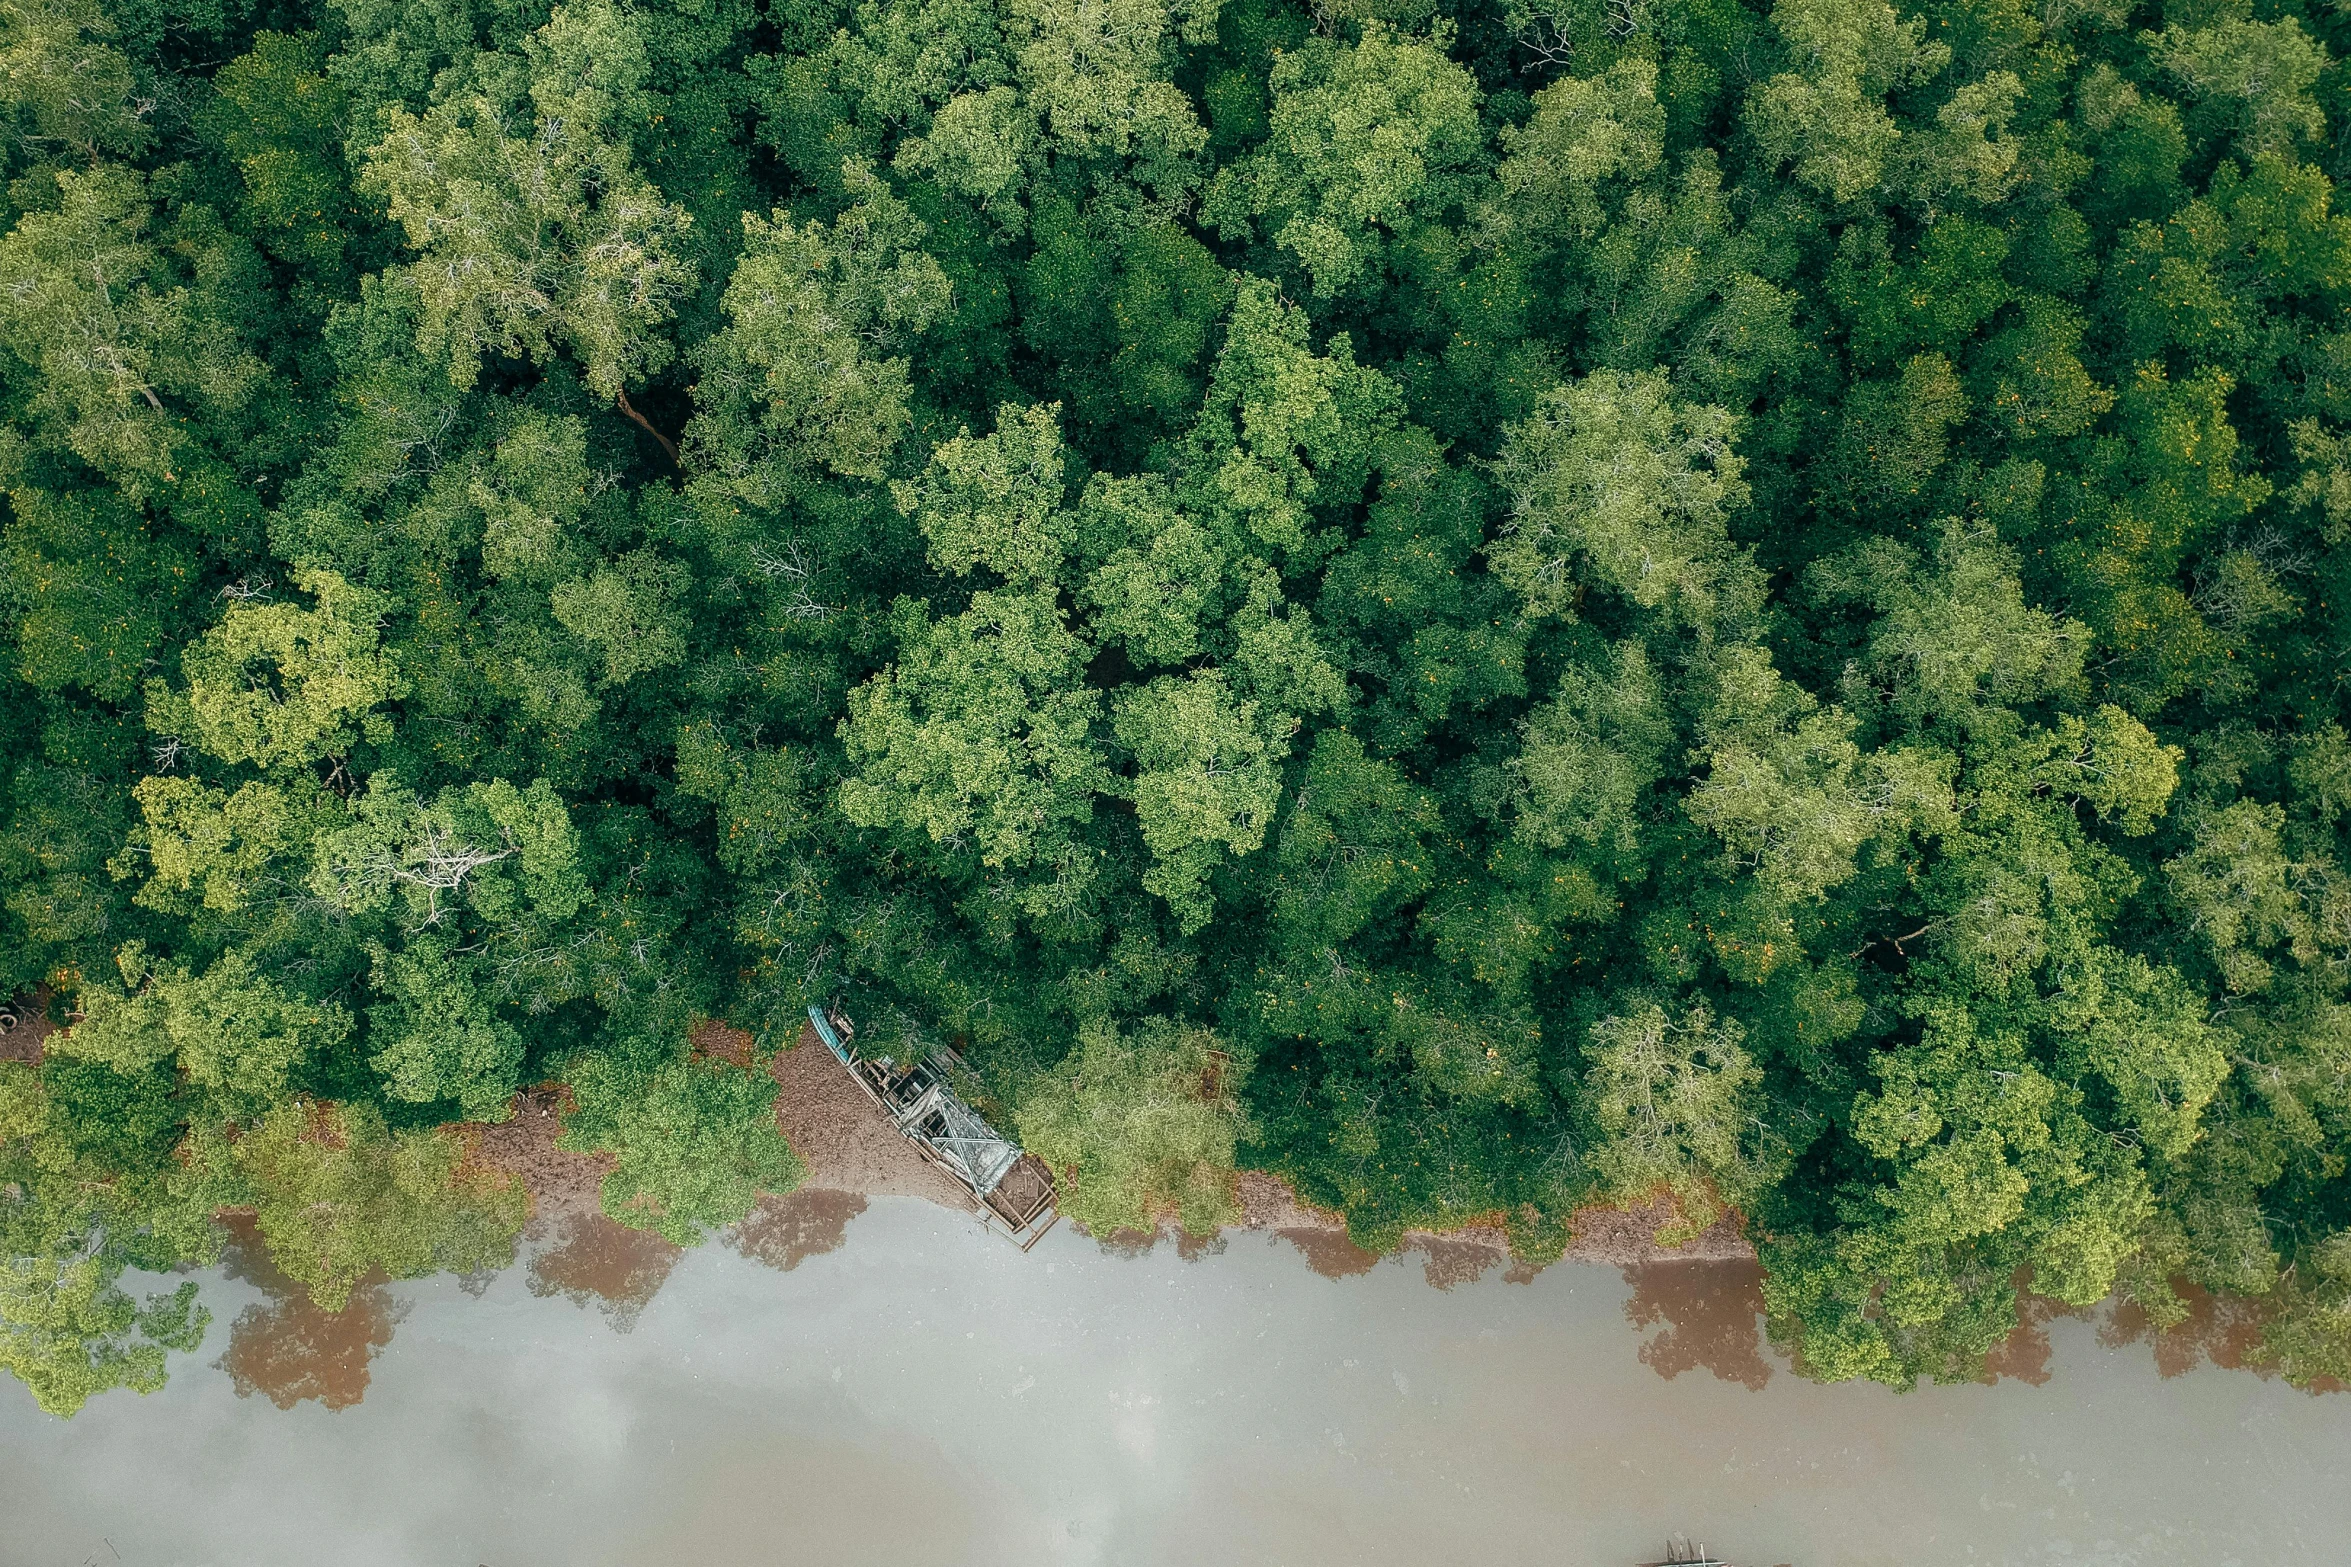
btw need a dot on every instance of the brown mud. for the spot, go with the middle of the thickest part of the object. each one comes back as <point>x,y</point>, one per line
<point>853,1153</point>
<point>1698,1307</point>
<point>562,1185</point>
<point>25,1026</point>
<point>1704,1296</point>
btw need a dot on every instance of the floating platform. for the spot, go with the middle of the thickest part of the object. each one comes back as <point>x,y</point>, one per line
<point>1011,1191</point>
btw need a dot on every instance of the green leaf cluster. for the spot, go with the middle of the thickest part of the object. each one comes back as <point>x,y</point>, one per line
<point>1735,602</point>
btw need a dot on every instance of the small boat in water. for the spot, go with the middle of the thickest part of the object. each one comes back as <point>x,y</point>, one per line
<point>1012,1191</point>
<point>1679,1552</point>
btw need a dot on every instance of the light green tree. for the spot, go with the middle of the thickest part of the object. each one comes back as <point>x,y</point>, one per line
<point>694,1142</point>
<point>1591,753</point>
<point>237,1034</point>
<point>1678,1106</point>
<point>1367,141</point>
<point>281,686</point>
<point>982,735</point>
<point>337,1195</point>
<point>1615,483</point>
<point>107,327</point>
<point>996,500</point>
<point>66,87</point>
<point>533,227</point>
<point>1207,781</point>
<point>1826,113</point>
<point>1140,1125</point>
<point>802,380</point>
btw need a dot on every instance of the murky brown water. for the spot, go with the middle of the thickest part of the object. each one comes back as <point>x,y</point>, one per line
<point>846,1383</point>
<point>1707,1316</point>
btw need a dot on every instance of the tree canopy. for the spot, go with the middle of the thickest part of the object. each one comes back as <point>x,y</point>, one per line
<point>1488,610</point>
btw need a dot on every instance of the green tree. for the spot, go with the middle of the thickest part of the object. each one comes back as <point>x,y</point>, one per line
<point>694,1142</point>
<point>796,385</point>
<point>534,229</point>
<point>1678,1111</point>
<point>1141,1126</point>
<point>1366,143</point>
<point>106,327</point>
<point>337,1194</point>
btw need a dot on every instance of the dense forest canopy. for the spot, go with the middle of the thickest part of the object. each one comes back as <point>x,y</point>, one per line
<point>1486,609</point>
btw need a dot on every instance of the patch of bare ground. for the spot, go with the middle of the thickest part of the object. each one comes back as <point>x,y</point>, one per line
<point>1627,1237</point>
<point>562,1185</point>
<point>846,1141</point>
<point>25,1027</point>
<point>718,1042</point>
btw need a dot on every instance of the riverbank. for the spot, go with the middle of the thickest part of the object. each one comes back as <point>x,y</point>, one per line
<point>852,1152</point>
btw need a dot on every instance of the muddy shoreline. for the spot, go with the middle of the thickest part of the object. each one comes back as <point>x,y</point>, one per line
<point>853,1153</point>
<point>1698,1308</point>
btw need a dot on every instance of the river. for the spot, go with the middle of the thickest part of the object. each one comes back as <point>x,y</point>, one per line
<point>883,1383</point>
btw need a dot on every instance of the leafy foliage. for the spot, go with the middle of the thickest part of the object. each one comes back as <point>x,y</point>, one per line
<point>1484,611</point>
<point>694,1142</point>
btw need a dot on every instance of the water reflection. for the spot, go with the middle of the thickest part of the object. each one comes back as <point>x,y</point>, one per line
<point>1693,1315</point>
<point>1129,1244</point>
<point>926,1392</point>
<point>1712,1316</point>
<point>784,1232</point>
<point>287,1349</point>
<point>1329,1252</point>
<point>2218,1330</point>
<point>1448,1263</point>
<point>2024,1355</point>
<point>597,1262</point>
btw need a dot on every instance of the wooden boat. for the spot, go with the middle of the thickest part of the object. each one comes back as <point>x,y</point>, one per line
<point>1011,1191</point>
<point>1679,1552</point>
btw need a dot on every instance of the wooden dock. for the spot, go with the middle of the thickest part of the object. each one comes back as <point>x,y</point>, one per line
<point>1011,1191</point>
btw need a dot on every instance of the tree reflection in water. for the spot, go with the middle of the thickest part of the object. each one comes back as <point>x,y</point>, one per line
<point>1712,1314</point>
<point>287,1349</point>
<point>597,1262</point>
<point>784,1232</point>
